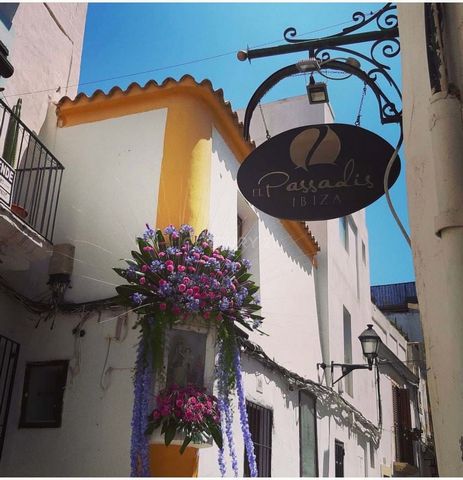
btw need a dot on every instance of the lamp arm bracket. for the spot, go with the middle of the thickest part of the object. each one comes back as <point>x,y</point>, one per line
<point>347,368</point>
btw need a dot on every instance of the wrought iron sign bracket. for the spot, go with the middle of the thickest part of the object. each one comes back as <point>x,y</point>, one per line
<point>324,54</point>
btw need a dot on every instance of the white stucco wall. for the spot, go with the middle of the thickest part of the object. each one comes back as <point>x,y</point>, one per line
<point>109,191</point>
<point>287,289</point>
<point>45,44</point>
<point>95,422</point>
<point>438,261</point>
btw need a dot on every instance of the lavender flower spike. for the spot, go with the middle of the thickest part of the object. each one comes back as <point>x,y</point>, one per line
<point>139,460</point>
<point>244,415</point>
<point>226,416</point>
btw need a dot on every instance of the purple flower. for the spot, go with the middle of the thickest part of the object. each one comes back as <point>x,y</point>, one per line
<point>139,458</point>
<point>149,233</point>
<point>169,230</point>
<point>185,229</point>
<point>224,304</point>
<point>138,298</point>
<point>246,263</point>
<point>248,443</point>
<point>226,414</point>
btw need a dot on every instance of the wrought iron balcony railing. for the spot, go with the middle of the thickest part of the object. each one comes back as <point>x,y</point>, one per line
<point>34,172</point>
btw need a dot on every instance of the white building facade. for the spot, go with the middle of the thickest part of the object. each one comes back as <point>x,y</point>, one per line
<point>169,154</point>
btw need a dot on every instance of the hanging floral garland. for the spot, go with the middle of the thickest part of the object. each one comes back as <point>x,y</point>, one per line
<point>170,279</point>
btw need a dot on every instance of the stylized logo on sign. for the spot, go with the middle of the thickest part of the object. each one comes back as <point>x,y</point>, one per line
<point>317,172</point>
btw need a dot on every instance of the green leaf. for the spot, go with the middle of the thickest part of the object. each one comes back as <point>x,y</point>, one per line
<point>185,443</point>
<point>253,289</point>
<point>127,290</point>
<point>142,243</point>
<point>120,271</point>
<point>217,436</point>
<point>243,277</point>
<point>160,237</point>
<point>171,430</point>
<point>150,428</point>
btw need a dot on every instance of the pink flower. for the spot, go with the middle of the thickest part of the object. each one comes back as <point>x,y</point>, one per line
<point>181,268</point>
<point>192,400</point>
<point>169,262</point>
<point>170,268</point>
<point>195,289</point>
<point>148,249</point>
<point>162,306</point>
<point>185,280</point>
<point>206,315</point>
<point>192,269</point>
<point>175,309</point>
<point>182,287</point>
<point>142,280</point>
<point>205,245</point>
<point>144,268</point>
<point>162,254</point>
<point>189,291</point>
<point>156,414</point>
<point>179,403</point>
<point>162,282</point>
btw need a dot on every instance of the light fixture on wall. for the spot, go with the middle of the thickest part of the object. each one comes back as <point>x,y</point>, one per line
<point>370,342</point>
<point>317,91</point>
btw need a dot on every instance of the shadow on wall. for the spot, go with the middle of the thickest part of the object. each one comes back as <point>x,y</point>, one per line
<point>331,405</point>
<point>273,224</point>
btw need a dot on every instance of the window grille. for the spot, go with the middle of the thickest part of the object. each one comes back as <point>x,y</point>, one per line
<point>260,426</point>
<point>9,353</point>
<point>339,453</point>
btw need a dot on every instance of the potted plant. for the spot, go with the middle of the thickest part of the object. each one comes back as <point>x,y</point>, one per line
<point>186,415</point>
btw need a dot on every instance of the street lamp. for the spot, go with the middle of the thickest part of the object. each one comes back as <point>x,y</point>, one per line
<point>317,91</point>
<point>370,342</point>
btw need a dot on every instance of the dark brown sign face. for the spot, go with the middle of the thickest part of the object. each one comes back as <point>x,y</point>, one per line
<point>317,172</point>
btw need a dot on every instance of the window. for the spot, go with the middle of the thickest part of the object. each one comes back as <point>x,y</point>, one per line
<point>339,458</point>
<point>344,232</point>
<point>347,328</point>
<point>42,402</point>
<point>307,435</point>
<point>260,426</point>
<point>402,425</point>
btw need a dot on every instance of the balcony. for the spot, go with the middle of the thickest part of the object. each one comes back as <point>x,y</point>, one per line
<point>30,182</point>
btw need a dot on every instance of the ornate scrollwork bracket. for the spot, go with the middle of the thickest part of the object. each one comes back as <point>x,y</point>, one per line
<point>383,45</point>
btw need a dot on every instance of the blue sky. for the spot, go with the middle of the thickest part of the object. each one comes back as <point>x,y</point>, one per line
<point>122,40</point>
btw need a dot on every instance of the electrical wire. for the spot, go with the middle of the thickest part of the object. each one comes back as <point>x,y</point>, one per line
<point>386,189</point>
<point>105,371</point>
<point>159,69</point>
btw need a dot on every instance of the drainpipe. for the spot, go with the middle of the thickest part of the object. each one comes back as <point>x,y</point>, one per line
<point>446,129</point>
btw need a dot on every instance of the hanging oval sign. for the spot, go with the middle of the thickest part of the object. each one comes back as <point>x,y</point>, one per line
<point>317,172</point>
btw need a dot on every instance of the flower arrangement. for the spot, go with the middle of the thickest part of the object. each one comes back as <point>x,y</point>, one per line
<point>189,411</point>
<point>172,277</point>
<point>176,277</point>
